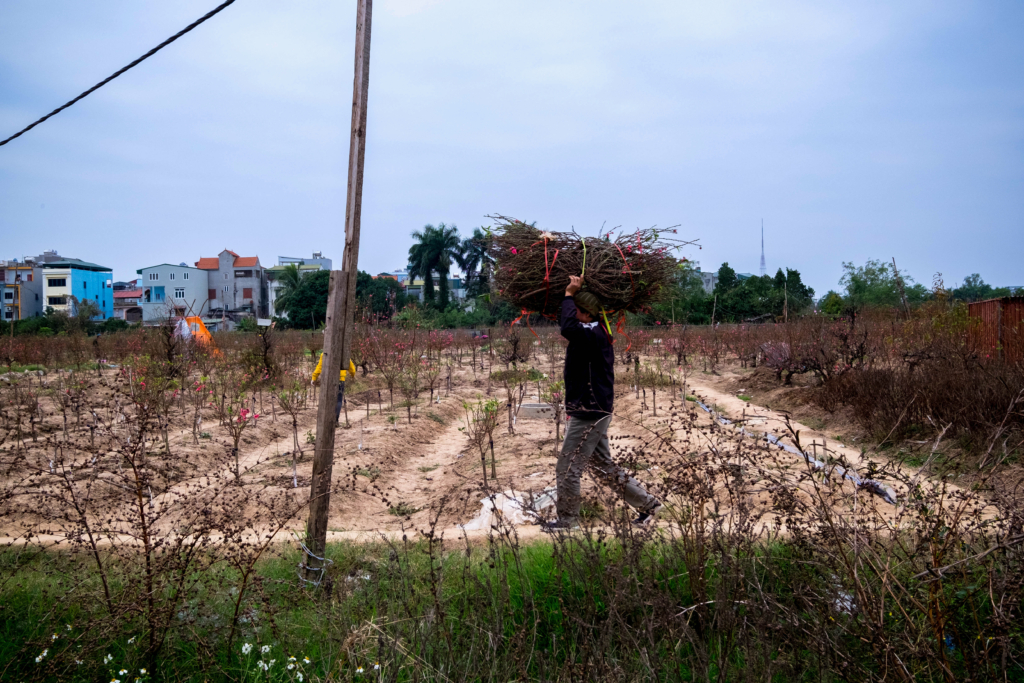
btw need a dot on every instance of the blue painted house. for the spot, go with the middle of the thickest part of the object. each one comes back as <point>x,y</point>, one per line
<point>68,281</point>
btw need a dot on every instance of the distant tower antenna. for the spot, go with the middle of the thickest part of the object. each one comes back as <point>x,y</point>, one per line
<point>763,268</point>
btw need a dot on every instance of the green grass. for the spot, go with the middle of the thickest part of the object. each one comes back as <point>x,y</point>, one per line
<point>487,613</point>
<point>372,473</point>
<point>428,468</point>
<point>402,510</point>
<point>436,418</point>
<point>743,397</point>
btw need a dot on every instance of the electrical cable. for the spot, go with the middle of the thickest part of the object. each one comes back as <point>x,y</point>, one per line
<point>106,80</point>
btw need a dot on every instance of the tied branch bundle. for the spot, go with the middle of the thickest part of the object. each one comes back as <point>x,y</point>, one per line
<point>627,273</point>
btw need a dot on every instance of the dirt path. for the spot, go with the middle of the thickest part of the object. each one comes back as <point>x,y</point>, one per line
<point>398,478</point>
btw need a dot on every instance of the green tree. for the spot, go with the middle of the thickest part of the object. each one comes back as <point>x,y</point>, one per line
<point>976,289</point>
<point>476,261</point>
<point>726,279</point>
<point>831,303</point>
<point>381,296</point>
<point>872,285</point>
<point>685,301</point>
<point>307,307</point>
<point>434,252</point>
<point>780,280</point>
<point>289,279</point>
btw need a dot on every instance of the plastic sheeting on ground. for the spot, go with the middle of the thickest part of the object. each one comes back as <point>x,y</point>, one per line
<point>511,507</point>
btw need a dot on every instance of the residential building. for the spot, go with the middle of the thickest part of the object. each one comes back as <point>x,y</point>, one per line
<point>317,260</point>
<point>128,301</point>
<point>236,285</point>
<point>21,286</point>
<point>67,281</point>
<point>21,290</point>
<point>172,291</point>
<point>456,288</point>
<point>400,275</point>
<point>274,284</point>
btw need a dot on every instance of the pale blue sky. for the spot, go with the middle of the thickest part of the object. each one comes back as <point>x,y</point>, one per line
<point>855,130</point>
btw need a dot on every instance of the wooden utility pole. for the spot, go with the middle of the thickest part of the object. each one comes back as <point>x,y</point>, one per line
<point>340,309</point>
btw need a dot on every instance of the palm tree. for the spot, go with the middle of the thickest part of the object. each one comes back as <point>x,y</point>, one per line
<point>434,253</point>
<point>420,265</point>
<point>474,257</point>
<point>290,279</point>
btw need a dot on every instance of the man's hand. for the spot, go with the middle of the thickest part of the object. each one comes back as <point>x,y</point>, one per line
<point>575,282</point>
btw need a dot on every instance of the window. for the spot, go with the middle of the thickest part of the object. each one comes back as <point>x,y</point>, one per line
<point>9,315</point>
<point>30,277</point>
<point>171,276</point>
<point>226,288</point>
<point>158,294</point>
<point>179,292</point>
<point>56,301</point>
<point>246,292</point>
<point>184,276</point>
<point>243,273</point>
<point>85,285</point>
<point>57,282</point>
<point>212,294</point>
<point>153,277</point>
<point>9,296</point>
<point>225,277</point>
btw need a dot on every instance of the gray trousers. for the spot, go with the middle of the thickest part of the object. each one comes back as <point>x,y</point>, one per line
<point>586,444</point>
<point>341,397</point>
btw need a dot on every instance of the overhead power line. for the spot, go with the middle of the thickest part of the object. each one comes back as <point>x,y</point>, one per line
<point>106,80</point>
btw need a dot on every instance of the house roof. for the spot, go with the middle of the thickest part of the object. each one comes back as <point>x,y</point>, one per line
<point>128,294</point>
<point>77,265</point>
<point>172,265</point>
<point>213,262</point>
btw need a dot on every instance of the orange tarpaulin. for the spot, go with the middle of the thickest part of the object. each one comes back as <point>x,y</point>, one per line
<point>198,329</point>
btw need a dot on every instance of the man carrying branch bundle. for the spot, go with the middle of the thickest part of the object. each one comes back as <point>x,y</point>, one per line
<point>589,393</point>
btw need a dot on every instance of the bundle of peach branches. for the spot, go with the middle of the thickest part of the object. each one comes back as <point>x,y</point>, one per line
<point>627,272</point>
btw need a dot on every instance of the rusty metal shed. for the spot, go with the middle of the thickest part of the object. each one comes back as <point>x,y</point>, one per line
<point>999,332</point>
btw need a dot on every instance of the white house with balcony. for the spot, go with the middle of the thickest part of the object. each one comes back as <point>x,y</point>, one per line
<point>172,291</point>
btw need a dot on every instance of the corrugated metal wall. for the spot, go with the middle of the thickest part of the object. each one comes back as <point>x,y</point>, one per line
<point>1000,329</point>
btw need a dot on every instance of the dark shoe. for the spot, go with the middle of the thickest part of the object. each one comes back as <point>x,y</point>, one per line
<point>648,516</point>
<point>558,526</point>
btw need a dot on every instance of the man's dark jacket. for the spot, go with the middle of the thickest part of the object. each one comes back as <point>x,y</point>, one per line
<point>589,375</point>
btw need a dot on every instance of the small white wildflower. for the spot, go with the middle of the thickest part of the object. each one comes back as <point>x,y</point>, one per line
<point>291,666</point>
<point>131,640</point>
<point>79,662</point>
<point>247,648</point>
<point>108,659</point>
<point>122,672</point>
<point>142,671</point>
<point>359,670</point>
<point>271,663</point>
<point>265,649</point>
<point>54,637</point>
<point>261,664</point>
<point>291,659</point>
<point>42,655</point>
<point>68,626</point>
<point>305,660</point>
<point>115,680</point>
<point>376,667</point>
<point>299,676</point>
